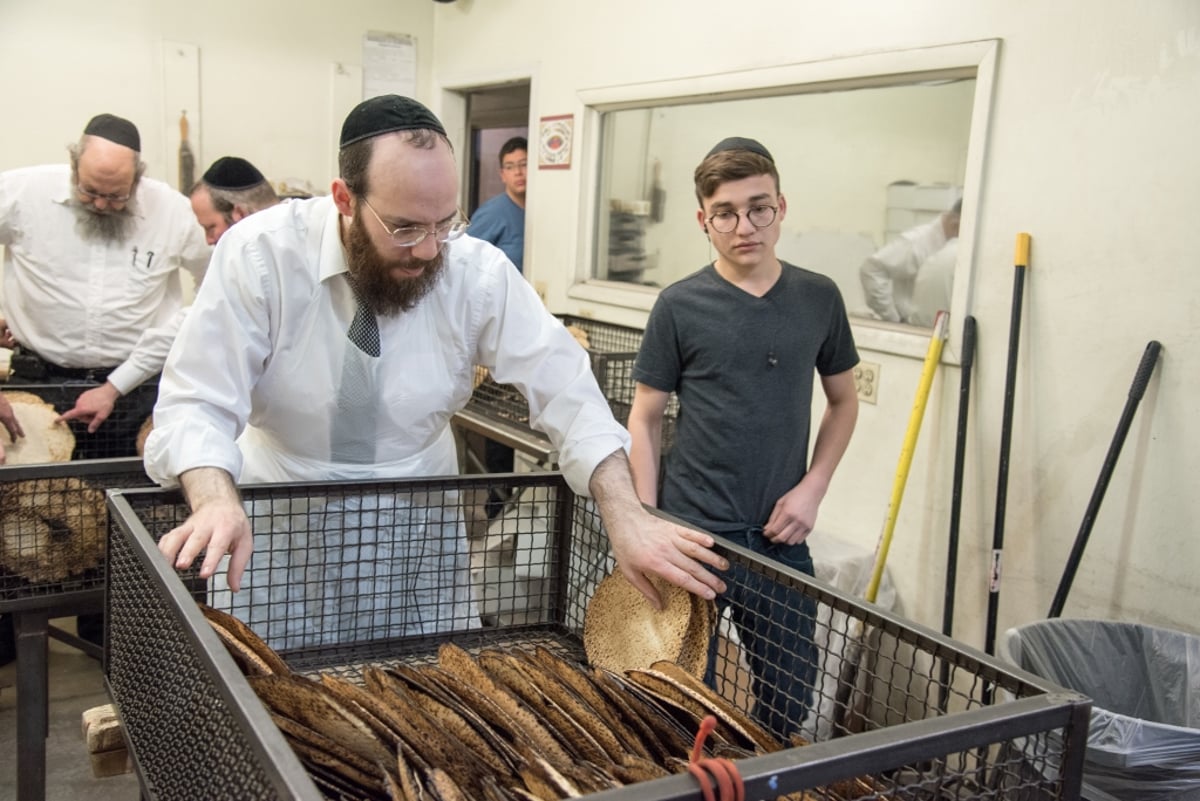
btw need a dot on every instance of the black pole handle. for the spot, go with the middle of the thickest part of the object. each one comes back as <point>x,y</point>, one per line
<point>968,357</point>
<point>1136,391</point>
<point>1006,424</point>
<point>1145,368</point>
<point>960,449</point>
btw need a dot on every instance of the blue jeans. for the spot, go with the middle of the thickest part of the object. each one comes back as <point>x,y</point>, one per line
<point>775,624</point>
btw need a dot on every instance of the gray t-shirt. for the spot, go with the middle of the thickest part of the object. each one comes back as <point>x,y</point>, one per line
<point>743,370</point>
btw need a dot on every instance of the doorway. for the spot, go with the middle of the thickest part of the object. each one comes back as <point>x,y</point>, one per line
<point>494,115</point>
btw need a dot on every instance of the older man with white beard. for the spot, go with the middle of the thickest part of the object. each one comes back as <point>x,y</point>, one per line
<point>92,289</point>
<point>92,282</point>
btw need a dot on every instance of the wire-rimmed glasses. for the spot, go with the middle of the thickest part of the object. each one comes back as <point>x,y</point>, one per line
<point>108,198</point>
<point>409,236</point>
<point>726,222</point>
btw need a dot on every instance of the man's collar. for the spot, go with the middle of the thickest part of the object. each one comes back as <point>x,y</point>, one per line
<point>65,192</point>
<point>332,254</point>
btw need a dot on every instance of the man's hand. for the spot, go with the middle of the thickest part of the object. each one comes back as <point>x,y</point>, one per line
<point>645,545</point>
<point>795,514</point>
<point>7,340</point>
<point>950,222</point>
<point>217,525</point>
<point>8,418</point>
<point>93,407</point>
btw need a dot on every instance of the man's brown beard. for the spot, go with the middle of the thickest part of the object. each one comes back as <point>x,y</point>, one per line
<point>370,273</point>
<point>110,226</point>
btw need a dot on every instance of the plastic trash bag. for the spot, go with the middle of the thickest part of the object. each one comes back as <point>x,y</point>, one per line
<point>1144,682</point>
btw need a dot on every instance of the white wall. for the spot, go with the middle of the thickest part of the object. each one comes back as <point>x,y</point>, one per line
<point>1092,151</point>
<point>266,86</point>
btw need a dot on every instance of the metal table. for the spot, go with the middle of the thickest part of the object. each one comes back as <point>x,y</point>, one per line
<point>514,436</point>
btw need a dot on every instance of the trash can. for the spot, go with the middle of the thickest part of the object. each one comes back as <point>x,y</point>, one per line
<point>1144,682</point>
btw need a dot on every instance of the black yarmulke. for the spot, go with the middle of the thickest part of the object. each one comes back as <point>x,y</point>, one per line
<point>231,172</point>
<point>114,129</point>
<point>387,114</point>
<point>741,143</point>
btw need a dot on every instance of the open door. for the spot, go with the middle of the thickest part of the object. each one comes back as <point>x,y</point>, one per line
<point>494,115</point>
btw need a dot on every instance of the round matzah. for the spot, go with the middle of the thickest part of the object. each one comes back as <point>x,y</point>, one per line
<point>693,654</point>
<point>44,440</point>
<point>580,335</point>
<point>143,434</point>
<point>51,528</point>
<point>622,631</point>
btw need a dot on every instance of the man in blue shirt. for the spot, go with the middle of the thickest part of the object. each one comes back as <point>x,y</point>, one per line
<point>501,220</point>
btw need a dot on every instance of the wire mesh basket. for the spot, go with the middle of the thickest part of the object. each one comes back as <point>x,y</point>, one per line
<point>117,436</point>
<point>53,535</point>
<point>53,527</point>
<point>612,349</point>
<point>334,587</point>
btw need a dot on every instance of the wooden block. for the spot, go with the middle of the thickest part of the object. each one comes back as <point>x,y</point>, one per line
<point>111,763</point>
<point>102,729</point>
<point>97,714</point>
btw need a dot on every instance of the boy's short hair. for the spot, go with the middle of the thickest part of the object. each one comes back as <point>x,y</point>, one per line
<point>722,166</point>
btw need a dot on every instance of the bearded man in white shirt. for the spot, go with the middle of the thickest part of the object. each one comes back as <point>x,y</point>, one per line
<point>92,282</point>
<point>336,337</point>
<point>92,290</point>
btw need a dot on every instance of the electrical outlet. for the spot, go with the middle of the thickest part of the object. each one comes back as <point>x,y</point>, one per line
<point>866,381</point>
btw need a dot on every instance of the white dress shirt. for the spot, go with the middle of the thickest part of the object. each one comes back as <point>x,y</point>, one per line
<point>889,275</point>
<point>934,285</point>
<point>263,351</point>
<point>81,303</point>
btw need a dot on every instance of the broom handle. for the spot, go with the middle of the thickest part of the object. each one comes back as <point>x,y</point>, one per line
<point>1140,379</point>
<point>956,493</point>
<point>932,355</point>
<point>960,449</point>
<point>1010,383</point>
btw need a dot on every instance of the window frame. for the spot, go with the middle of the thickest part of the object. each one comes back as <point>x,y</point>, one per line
<point>974,59</point>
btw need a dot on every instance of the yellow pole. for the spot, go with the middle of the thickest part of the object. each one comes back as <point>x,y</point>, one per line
<point>932,356</point>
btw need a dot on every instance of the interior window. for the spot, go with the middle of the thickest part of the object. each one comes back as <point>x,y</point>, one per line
<point>873,149</point>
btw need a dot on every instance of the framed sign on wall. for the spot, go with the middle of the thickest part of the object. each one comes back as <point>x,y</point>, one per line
<point>554,142</point>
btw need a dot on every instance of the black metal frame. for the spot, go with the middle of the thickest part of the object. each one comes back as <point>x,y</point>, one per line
<point>188,711</point>
<point>33,604</point>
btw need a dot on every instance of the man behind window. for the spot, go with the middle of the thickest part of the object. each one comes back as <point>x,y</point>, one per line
<point>890,275</point>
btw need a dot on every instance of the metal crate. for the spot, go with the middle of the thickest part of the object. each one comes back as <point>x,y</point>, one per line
<point>197,730</point>
<point>612,350</point>
<point>117,436</point>
<point>53,534</point>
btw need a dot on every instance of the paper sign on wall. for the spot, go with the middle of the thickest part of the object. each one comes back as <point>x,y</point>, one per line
<point>389,64</point>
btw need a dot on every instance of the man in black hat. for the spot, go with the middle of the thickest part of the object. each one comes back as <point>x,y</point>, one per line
<point>92,282</point>
<point>230,190</point>
<point>336,338</point>
<point>739,462</point>
<point>92,276</point>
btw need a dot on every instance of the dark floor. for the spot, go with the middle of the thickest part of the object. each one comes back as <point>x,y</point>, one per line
<point>76,684</point>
